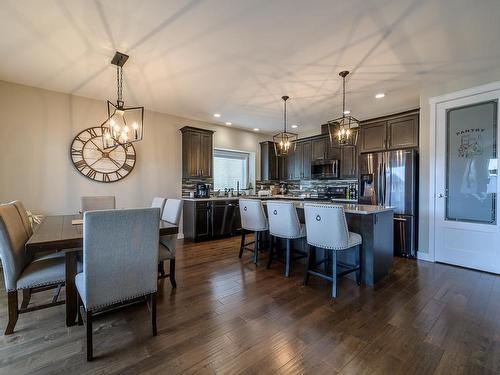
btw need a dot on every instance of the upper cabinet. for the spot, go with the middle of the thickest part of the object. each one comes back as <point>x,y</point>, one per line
<point>197,153</point>
<point>348,162</point>
<point>269,163</point>
<point>389,133</point>
<point>319,148</point>
<point>372,137</point>
<point>402,132</point>
<point>299,161</point>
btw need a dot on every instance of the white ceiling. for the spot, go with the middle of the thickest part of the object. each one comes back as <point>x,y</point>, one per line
<point>238,57</point>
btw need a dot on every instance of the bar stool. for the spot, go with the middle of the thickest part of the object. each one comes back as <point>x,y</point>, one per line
<point>327,229</point>
<point>253,219</point>
<point>284,223</point>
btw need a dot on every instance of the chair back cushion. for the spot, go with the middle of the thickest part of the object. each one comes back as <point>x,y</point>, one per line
<point>13,237</point>
<point>159,203</point>
<point>24,217</point>
<point>326,226</point>
<point>98,203</point>
<point>172,211</point>
<point>120,255</point>
<point>283,219</point>
<point>252,215</point>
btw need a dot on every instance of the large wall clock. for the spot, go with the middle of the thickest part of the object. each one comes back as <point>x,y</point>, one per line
<point>99,164</point>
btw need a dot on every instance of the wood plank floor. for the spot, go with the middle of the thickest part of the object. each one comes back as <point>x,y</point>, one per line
<point>227,317</point>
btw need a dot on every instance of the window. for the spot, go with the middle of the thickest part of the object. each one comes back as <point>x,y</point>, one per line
<point>230,167</point>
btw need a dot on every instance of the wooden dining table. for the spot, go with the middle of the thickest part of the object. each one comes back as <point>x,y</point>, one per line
<point>58,233</point>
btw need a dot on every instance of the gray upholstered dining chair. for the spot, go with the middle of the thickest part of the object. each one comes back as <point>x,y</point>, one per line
<point>160,203</point>
<point>20,272</point>
<point>327,229</point>
<point>168,244</point>
<point>253,219</point>
<point>120,260</point>
<point>42,256</point>
<point>284,223</point>
<point>97,203</point>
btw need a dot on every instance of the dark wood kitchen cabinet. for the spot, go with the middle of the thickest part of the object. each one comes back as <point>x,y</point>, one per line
<point>204,220</point>
<point>197,152</point>
<point>299,161</point>
<point>373,137</point>
<point>197,220</point>
<point>402,132</point>
<point>390,132</point>
<point>320,148</point>
<point>269,162</point>
<point>348,162</point>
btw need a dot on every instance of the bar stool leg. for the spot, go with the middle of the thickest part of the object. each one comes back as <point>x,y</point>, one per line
<point>288,257</point>
<point>358,263</point>
<point>255,247</point>
<point>242,244</point>
<point>308,263</point>
<point>271,251</point>
<point>334,274</point>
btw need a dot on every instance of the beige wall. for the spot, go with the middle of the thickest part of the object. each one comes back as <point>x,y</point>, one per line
<point>37,127</point>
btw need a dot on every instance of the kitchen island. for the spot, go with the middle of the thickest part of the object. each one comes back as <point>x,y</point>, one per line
<point>215,217</point>
<point>375,225</point>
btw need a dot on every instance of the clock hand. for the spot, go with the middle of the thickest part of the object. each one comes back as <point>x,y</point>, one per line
<point>96,146</point>
<point>96,161</point>
<point>114,161</point>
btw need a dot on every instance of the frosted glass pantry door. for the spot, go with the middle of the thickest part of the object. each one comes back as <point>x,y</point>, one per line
<point>471,151</point>
<point>466,213</point>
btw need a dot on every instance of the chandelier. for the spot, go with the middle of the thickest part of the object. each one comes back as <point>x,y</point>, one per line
<point>124,125</point>
<point>284,141</point>
<point>344,128</point>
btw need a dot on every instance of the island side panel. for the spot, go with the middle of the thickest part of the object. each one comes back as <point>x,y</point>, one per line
<point>377,248</point>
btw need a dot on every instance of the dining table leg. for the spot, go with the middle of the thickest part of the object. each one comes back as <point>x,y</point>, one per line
<point>71,297</point>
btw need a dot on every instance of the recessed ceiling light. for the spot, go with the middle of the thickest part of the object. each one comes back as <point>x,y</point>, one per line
<point>380,95</point>
<point>229,123</point>
<point>217,115</point>
<point>256,129</point>
<point>346,112</point>
<point>295,126</point>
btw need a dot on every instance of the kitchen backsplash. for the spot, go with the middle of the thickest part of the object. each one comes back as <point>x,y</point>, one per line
<point>305,186</point>
<point>189,184</point>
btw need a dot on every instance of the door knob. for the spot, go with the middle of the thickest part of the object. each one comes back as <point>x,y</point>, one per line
<point>441,195</point>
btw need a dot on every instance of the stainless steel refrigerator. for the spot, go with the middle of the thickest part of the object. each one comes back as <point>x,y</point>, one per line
<point>390,179</point>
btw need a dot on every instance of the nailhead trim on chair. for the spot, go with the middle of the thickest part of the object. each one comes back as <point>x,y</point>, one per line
<point>38,285</point>
<point>289,237</point>
<point>121,300</point>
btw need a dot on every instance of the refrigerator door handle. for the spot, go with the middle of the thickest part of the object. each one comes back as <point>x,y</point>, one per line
<point>385,183</point>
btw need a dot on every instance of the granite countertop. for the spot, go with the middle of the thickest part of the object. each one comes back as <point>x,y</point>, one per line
<point>284,197</point>
<point>350,208</point>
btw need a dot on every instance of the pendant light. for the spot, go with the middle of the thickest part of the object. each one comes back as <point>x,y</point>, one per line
<point>124,125</point>
<point>344,129</point>
<point>284,142</point>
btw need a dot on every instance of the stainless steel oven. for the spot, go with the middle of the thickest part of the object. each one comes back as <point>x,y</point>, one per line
<point>325,169</point>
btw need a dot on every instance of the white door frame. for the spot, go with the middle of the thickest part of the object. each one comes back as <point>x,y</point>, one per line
<point>433,102</point>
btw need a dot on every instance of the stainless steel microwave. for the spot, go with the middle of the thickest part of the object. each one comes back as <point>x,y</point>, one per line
<point>325,169</point>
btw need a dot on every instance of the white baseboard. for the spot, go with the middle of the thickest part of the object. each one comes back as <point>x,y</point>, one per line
<point>180,236</point>
<point>424,256</point>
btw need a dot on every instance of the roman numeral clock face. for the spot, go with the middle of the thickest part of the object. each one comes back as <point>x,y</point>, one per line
<point>99,164</point>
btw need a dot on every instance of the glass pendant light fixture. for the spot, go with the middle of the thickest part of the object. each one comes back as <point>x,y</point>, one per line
<point>284,142</point>
<point>124,124</point>
<point>344,129</point>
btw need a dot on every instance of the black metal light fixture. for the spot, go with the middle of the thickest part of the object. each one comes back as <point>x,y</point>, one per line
<point>344,128</point>
<point>124,124</point>
<point>284,142</point>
